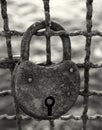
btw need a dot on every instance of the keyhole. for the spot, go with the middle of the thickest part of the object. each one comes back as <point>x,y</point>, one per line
<point>49,102</point>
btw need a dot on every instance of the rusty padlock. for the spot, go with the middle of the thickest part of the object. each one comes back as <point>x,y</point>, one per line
<point>45,92</point>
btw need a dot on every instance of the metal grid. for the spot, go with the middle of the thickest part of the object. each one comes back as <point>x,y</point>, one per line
<point>10,61</point>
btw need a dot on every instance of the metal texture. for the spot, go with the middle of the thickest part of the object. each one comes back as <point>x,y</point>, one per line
<point>48,25</point>
<point>58,81</point>
<point>25,43</point>
<point>32,84</point>
<point>9,62</point>
<point>9,49</point>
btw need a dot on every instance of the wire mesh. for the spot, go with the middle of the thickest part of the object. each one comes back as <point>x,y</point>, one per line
<point>10,61</point>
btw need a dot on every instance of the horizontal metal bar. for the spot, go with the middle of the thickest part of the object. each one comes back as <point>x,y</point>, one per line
<point>11,33</point>
<point>90,65</point>
<point>5,93</point>
<point>69,117</point>
<point>54,33</point>
<point>66,117</point>
<point>6,63</point>
<point>75,33</point>
<point>90,93</point>
<point>13,117</point>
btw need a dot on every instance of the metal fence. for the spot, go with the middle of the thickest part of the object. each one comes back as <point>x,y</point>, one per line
<point>10,61</point>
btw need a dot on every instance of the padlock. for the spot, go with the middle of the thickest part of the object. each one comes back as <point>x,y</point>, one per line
<point>45,92</point>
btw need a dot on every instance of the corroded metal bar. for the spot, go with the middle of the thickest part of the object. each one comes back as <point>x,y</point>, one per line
<point>87,61</point>
<point>13,117</point>
<point>47,24</point>
<point>9,48</point>
<point>18,115</point>
<point>5,93</point>
<point>94,117</point>
<point>51,124</point>
<point>90,93</point>
<point>54,33</point>
<point>11,33</point>
<point>6,63</point>
<point>74,33</point>
<point>67,117</point>
<point>6,27</point>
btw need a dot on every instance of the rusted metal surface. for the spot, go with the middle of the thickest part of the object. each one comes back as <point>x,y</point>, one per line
<point>87,60</point>
<point>36,83</point>
<point>67,117</point>
<point>9,49</point>
<point>81,93</point>
<point>25,43</point>
<point>48,25</point>
<point>55,33</point>
<point>61,81</point>
<point>6,27</point>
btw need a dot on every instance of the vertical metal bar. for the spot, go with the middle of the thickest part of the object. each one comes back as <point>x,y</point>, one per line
<point>9,48</point>
<point>87,60</point>
<point>18,116</point>
<point>6,27</point>
<point>51,124</point>
<point>48,42</point>
<point>47,24</point>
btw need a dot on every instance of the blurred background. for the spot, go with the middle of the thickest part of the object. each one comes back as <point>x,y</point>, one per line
<point>71,15</point>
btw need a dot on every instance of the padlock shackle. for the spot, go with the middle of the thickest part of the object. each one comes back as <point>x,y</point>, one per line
<point>32,30</point>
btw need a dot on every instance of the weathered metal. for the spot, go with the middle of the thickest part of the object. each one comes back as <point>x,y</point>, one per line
<point>33,29</point>
<point>56,81</point>
<point>33,84</point>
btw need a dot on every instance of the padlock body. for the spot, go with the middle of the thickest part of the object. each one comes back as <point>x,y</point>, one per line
<point>34,83</point>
